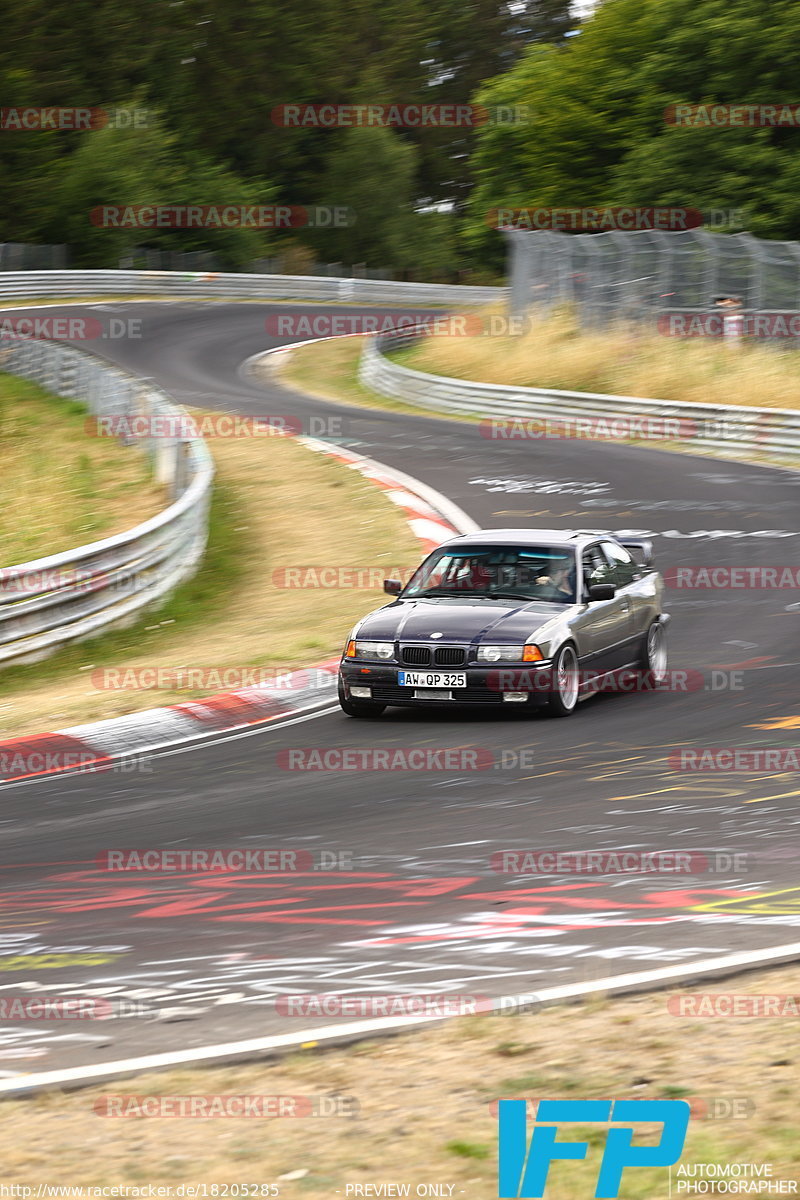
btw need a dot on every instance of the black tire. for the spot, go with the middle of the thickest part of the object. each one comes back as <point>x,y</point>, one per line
<point>653,657</point>
<point>359,708</point>
<point>564,700</point>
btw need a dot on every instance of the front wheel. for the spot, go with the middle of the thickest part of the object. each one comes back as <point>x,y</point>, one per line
<point>654,658</point>
<point>564,697</point>
<point>359,708</point>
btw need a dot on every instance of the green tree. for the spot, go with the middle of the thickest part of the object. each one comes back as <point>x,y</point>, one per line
<point>129,167</point>
<point>598,133</point>
<point>373,172</point>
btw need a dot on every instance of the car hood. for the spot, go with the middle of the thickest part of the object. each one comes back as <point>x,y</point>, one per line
<point>459,620</point>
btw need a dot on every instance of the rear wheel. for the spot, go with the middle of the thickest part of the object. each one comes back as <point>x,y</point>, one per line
<point>564,697</point>
<point>359,708</point>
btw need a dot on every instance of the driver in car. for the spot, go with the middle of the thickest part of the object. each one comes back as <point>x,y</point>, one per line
<point>557,585</point>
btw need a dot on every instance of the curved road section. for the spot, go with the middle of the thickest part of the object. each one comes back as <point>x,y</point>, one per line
<point>395,882</point>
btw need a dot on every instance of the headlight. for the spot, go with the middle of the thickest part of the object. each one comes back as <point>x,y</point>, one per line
<point>500,653</point>
<point>373,650</point>
<point>509,654</point>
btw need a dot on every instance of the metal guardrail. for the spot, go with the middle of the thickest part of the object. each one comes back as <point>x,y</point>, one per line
<point>769,431</point>
<point>24,285</point>
<point>75,594</point>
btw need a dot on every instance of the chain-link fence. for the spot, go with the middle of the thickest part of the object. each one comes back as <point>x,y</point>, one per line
<point>650,274</point>
<point>16,256</point>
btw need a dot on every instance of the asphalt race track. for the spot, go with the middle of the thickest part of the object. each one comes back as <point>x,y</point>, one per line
<point>417,906</point>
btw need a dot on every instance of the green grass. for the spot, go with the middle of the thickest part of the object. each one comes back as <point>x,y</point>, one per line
<point>59,487</point>
<point>275,505</point>
<point>192,605</point>
<point>467,1149</point>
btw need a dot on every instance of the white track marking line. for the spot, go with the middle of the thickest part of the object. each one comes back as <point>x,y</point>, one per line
<point>254,1047</point>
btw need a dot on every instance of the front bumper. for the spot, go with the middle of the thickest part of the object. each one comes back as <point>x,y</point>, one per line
<point>485,684</point>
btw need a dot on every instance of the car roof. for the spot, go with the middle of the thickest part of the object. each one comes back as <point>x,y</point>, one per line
<point>568,539</point>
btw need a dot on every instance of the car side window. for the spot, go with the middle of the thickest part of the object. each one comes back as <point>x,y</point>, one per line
<point>596,568</point>
<point>623,568</point>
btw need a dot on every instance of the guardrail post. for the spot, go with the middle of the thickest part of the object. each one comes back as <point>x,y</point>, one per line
<point>182,450</point>
<point>68,377</point>
<point>166,459</point>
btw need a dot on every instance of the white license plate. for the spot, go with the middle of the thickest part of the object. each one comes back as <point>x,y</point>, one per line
<point>432,679</point>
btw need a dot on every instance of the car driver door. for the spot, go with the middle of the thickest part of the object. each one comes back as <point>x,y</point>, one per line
<point>606,624</point>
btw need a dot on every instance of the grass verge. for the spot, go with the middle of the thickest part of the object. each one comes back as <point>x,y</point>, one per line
<point>426,1104</point>
<point>555,353</point>
<point>60,488</point>
<point>277,505</point>
<point>329,370</point>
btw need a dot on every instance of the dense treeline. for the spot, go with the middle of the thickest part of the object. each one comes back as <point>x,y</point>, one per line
<point>601,134</point>
<point>209,75</point>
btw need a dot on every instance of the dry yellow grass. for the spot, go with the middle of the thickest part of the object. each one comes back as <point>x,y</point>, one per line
<point>426,1104</point>
<point>279,505</point>
<point>60,488</point>
<point>628,361</point>
<point>329,370</point>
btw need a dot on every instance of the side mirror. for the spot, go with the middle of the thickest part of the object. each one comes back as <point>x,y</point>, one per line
<point>392,587</point>
<point>602,591</point>
<point>640,550</point>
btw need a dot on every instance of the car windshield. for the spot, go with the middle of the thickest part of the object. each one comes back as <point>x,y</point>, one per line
<point>496,572</point>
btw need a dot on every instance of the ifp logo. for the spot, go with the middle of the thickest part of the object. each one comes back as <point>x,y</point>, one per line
<point>523,1169</point>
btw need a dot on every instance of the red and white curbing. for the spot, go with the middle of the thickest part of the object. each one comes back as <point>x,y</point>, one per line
<point>431,516</point>
<point>98,745</point>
